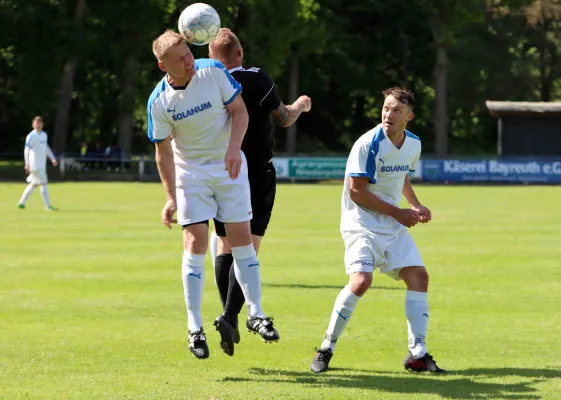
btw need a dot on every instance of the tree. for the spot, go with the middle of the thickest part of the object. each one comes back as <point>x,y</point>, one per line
<point>544,22</point>
<point>67,80</point>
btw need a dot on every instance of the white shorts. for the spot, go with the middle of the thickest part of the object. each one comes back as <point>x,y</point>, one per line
<point>37,177</point>
<point>206,191</point>
<point>366,251</point>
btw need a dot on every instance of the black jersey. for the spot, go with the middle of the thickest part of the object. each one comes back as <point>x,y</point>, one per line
<point>260,97</point>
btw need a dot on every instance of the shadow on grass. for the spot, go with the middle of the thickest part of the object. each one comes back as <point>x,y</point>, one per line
<point>301,286</point>
<point>464,384</point>
<point>521,372</point>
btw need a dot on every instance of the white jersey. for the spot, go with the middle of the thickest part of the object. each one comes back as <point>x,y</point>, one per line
<point>196,116</point>
<point>37,150</point>
<point>376,157</point>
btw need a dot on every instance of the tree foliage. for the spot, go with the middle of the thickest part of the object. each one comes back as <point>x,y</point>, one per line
<point>348,52</point>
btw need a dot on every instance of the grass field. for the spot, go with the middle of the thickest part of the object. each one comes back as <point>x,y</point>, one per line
<point>91,303</point>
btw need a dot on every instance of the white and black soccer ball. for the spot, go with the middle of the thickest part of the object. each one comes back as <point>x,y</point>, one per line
<point>199,24</point>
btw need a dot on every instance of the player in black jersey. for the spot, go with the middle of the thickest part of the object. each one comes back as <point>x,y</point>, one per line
<point>262,101</point>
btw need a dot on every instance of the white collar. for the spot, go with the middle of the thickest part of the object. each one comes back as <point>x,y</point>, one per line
<point>235,69</point>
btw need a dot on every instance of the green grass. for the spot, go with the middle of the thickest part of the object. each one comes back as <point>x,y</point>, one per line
<point>91,303</point>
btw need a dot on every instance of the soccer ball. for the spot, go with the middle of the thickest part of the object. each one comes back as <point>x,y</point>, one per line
<point>199,24</point>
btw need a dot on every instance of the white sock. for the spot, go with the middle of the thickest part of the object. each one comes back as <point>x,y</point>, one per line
<point>246,268</point>
<point>26,193</point>
<point>213,249</point>
<point>417,313</point>
<point>344,306</point>
<point>193,272</point>
<point>45,194</point>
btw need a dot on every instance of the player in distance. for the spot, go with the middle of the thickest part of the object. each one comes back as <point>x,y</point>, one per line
<point>35,154</point>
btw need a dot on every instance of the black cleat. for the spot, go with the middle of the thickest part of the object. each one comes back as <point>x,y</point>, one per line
<point>263,327</point>
<point>227,332</point>
<point>422,364</point>
<point>236,332</point>
<point>197,344</point>
<point>320,363</point>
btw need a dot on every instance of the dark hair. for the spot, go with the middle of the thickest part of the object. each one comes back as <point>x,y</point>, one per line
<point>38,118</point>
<point>403,95</point>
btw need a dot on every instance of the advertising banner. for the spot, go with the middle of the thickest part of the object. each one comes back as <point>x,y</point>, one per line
<point>492,170</point>
<point>319,168</point>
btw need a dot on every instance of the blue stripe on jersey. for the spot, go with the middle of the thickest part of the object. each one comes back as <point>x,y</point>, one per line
<point>411,135</point>
<point>231,99</point>
<point>209,63</point>
<point>158,90</point>
<point>373,152</point>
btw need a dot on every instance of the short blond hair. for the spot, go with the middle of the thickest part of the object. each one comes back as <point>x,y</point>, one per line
<point>166,41</point>
<point>225,45</point>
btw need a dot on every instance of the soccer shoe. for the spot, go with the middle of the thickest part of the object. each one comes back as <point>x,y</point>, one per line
<point>197,344</point>
<point>20,206</point>
<point>320,363</point>
<point>263,327</point>
<point>51,208</point>
<point>236,331</point>
<point>227,334</point>
<point>236,334</point>
<point>421,364</point>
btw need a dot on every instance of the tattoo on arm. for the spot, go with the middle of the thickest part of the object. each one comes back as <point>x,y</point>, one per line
<point>286,115</point>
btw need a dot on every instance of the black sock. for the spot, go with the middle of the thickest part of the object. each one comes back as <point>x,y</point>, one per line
<point>222,265</point>
<point>235,298</point>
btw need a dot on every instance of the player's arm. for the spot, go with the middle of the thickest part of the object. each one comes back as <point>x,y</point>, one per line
<point>51,156</point>
<point>230,91</point>
<point>159,133</point>
<point>409,193</point>
<point>286,115</point>
<point>26,151</point>
<point>414,202</point>
<point>166,169</point>
<point>166,166</point>
<point>26,157</point>
<point>240,120</point>
<point>360,194</point>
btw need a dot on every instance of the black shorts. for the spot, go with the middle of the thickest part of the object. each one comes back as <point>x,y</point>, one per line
<point>263,186</point>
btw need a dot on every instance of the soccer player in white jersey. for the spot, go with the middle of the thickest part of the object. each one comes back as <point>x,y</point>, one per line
<point>374,228</point>
<point>197,119</point>
<point>35,153</point>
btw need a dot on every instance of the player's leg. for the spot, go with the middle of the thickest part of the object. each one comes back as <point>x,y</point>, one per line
<point>262,183</point>
<point>235,298</point>
<point>405,262</point>
<point>223,264</point>
<point>213,245</point>
<point>42,173</point>
<point>223,260</point>
<point>195,207</point>
<point>234,208</point>
<point>225,324</point>
<point>192,273</point>
<point>247,271</point>
<point>416,279</point>
<point>26,194</point>
<point>46,198</point>
<point>360,259</point>
<point>34,180</point>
